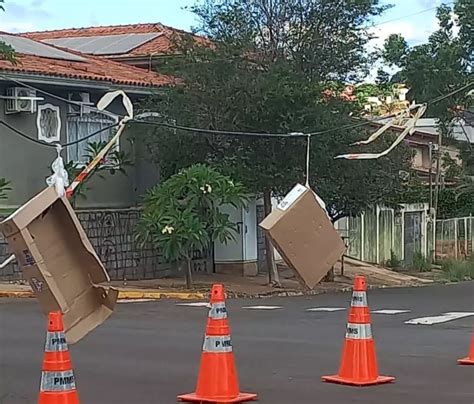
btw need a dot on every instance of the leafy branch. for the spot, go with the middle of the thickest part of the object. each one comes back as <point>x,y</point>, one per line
<point>182,215</point>
<point>4,188</point>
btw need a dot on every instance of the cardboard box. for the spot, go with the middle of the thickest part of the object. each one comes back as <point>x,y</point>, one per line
<point>59,262</point>
<point>301,231</point>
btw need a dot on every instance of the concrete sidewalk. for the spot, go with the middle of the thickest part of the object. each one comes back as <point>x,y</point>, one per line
<point>238,286</point>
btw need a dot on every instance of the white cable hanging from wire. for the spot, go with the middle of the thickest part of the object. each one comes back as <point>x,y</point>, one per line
<point>409,129</point>
<point>60,177</point>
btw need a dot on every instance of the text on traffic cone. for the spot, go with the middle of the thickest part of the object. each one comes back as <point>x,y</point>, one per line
<point>58,385</point>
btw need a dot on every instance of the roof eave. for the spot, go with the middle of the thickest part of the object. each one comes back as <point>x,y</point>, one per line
<point>36,78</point>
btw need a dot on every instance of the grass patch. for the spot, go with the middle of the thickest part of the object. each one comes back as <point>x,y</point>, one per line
<point>393,263</point>
<point>458,270</point>
<point>420,263</point>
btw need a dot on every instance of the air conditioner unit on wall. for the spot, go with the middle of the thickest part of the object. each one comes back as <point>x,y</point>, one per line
<point>20,99</point>
<point>83,101</point>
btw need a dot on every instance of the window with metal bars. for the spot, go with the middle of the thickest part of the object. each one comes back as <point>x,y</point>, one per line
<point>79,127</point>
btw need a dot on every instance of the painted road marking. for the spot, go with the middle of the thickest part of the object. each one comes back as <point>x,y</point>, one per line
<point>195,304</point>
<point>440,319</point>
<point>330,309</point>
<point>135,300</point>
<point>262,307</point>
<point>389,311</point>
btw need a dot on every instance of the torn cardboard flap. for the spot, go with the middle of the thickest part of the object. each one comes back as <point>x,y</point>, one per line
<point>301,231</point>
<point>59,262</point>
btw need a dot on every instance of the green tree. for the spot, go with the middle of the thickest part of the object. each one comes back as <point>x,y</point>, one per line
<point>433,70</point>
<point>6,51</point>
<point>267,72</point>
<point>439,66</point>
<point>182,215</point>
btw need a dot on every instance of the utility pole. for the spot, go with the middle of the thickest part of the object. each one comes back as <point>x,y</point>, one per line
<point>430,174</point>
<point>437,185</point>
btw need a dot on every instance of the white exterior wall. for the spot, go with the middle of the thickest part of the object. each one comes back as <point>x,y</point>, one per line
<point>244,248</point>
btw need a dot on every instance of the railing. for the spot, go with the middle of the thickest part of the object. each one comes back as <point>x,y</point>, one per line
<point>454,237</point>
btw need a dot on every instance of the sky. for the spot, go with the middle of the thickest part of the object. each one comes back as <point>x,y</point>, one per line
<point>29,15</point>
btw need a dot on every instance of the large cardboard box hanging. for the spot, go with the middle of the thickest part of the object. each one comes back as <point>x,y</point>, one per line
<point>301,231</point>
<point>59,262</point>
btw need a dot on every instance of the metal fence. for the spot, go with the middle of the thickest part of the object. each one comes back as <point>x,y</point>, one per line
<point>112,233</point>
<point>380,232</point>
<point>454,237</point>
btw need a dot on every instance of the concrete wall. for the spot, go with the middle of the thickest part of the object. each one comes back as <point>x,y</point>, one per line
<point>27,165</point>
<point>375,234</point>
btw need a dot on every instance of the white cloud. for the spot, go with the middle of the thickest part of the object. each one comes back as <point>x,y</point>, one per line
<point>411,31</point>
<point>23,17</point>
<point>16,26</point>
<point>429,3</point>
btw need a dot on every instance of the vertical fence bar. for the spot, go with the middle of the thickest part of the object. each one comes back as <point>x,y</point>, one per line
<point>455,238</point>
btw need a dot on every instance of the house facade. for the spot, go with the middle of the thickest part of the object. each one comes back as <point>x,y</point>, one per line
<point>34,95</point>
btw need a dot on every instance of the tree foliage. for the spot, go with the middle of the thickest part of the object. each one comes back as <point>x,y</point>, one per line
<point>182,216</point>
<point>6,51</point>
<point>441,65</point>
<point>323,40</point>
<point>267,72</point>
<point>434,70</point>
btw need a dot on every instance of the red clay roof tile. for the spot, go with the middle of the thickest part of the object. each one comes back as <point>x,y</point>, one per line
<point>94,68</point>
<point>161,45</point>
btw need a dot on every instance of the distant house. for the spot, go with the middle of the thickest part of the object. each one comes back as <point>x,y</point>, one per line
<point>33,100</point>
<point>420,142</point>
<point>140,45</point>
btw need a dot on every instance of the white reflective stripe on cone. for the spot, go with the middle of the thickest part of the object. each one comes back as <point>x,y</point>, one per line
<point>218,311</point>
<point>217,344</point>
<point>358,331</point>
<point>359,299</point>
<point>58,381</point>
<point>55,342</point>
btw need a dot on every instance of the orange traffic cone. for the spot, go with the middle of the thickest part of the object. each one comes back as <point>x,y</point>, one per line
<point>470,359</point>
<point>359,361</point>
<point>217,380</point>
<point>58,385</point>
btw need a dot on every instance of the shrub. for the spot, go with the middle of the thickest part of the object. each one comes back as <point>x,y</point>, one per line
<point>182,215</point>
<point>458,270</point>
<point>421,263</point>
<point>393,262</point>
<point>4,188</point>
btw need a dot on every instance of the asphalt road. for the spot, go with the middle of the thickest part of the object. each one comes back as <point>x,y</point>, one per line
<point>147,353</point>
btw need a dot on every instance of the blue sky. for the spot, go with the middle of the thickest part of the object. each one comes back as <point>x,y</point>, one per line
<point>27,15</point>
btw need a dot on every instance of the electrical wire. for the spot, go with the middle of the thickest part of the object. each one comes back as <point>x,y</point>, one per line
<point>58,97</point>
<point>408,15</point>
<point>261,134</point>
<point>54,145</point>
<point>215,131</point>
<point>323,132</point>
<point>444,96</point>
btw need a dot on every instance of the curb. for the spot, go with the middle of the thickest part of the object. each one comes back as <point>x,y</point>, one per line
<point>137,295</point>
<point>183,295</point>
<point>124,295</point>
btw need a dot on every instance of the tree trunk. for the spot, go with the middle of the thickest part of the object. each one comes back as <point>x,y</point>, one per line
<point>273,275</point>
<point>189,273</point>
